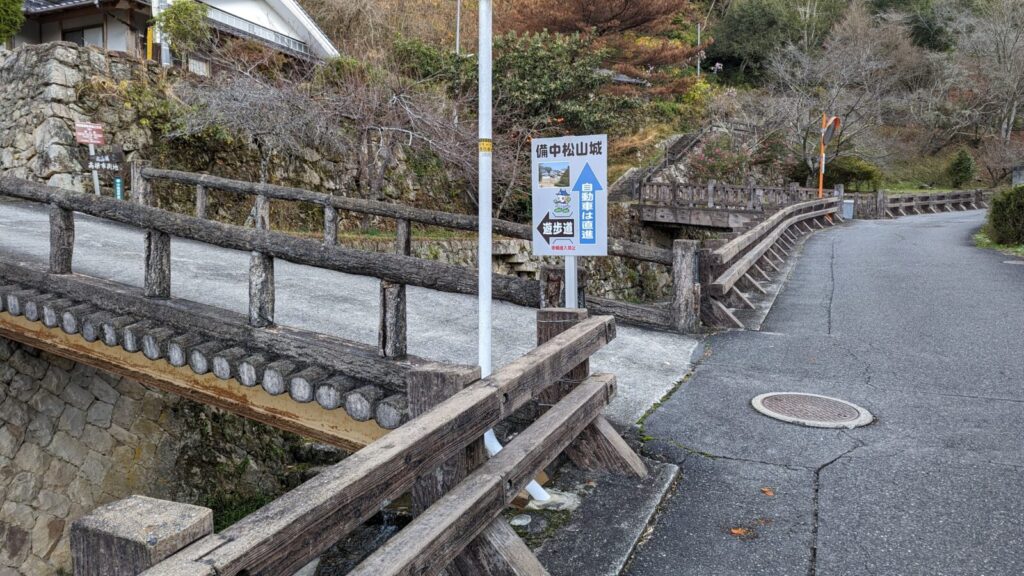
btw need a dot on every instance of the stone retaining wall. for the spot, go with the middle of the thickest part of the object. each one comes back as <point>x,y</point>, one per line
<point>73,438</point>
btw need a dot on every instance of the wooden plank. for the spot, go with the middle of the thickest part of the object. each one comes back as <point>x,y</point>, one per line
<point>754,284</point>
<point>201,201</point>
<point>158,264</point>
<point>685,311</point>
<point>392,267</point>
<point>62,239</point>
<point>443,531</point>
<point>741,298</point>
<point>741,266</point>
<point>599,447</point>
<point>342,356</point>
<point>261,290</point>
<point>760,271</point>
<point>736,246</point>
<point>330,226</point>
<point>616,247</point>
<point>308,420</point>
<point>649,315</point>
<point>429,386</point>
<point>286,534</point>
<point>723,316</point>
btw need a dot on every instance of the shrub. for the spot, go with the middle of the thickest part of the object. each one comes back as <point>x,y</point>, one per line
<point>720,159</point>
<point>852,172</point>
<point>1006,217</point>
<point>11,19</point>
<point>961,169</point>
<point>184,23</point>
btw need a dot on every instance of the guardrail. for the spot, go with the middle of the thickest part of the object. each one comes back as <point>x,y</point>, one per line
<point>729,265</point>
<point>902,205</point>
<point>678,314</point>
<point>725,196</point>
<point>437,456</point>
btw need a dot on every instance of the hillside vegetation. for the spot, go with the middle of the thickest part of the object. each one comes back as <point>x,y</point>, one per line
<point>928,90</point>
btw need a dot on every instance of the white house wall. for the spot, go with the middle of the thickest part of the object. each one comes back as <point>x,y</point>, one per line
<point>257,12</point>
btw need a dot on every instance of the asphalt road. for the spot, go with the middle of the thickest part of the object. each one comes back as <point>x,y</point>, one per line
<point>907,319</point>
<point>441,326</point>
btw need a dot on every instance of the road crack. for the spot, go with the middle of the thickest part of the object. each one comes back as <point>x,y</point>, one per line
<point>812,569</point>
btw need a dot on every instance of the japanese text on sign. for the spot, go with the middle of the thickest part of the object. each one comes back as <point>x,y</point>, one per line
<point>570,196</point>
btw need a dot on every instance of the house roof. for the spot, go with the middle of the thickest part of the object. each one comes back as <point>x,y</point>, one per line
<point>31,7</point>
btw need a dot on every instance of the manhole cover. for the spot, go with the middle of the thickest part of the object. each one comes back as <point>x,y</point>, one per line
<point>811,410</point>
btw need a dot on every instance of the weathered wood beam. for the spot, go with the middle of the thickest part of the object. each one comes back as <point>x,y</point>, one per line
<point>354,359</point>
<point>446,528</point>
<point>285,535</point>
<point>599,446</point>
<point>616,247</point>
<point>392,267</point>
<point>62,239</point>
<point>281,412</point>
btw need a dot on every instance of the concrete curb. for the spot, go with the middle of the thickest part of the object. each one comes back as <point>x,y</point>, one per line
<point>601,535</point>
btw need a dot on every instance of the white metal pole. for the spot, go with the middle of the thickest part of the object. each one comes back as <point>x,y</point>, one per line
<point>458,27</point>
<point>698,46</point>
<point>485,156</point>
<point>95,174</point>
<point>571,287</point>
<point>485,249</point>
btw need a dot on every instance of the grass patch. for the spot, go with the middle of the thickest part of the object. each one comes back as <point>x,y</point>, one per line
<point>981,240</point>
<point>228,510</point>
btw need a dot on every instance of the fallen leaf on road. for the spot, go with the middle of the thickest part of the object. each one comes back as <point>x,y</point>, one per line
<point>739,531</point>
<point>767,491</point>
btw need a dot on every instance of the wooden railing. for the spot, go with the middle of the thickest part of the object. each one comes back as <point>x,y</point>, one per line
<point>401,269</point>
<point>728,266</point>
<point>725,196</point>
<point>904,204</point>
<point>437,456</point>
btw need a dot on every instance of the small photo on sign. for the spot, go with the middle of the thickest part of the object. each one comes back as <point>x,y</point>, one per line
<point>553,174</point>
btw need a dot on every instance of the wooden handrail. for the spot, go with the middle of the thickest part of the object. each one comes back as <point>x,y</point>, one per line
<point>391,267</point>
<point>742,266</point>
<point>616,247</point>
<point>286,534</point>
<point>726,253</point>
<point>427,544</point>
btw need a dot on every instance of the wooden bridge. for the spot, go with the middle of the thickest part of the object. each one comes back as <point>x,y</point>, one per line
<point>718,206</point>
<point>413,425</point>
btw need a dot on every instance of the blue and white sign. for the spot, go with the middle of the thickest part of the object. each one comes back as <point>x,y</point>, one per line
<point>570,196</point>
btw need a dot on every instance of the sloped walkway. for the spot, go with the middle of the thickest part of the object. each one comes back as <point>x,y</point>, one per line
<point>907,319</point>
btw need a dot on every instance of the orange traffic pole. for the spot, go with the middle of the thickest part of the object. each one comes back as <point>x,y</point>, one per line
<point>821,160</point>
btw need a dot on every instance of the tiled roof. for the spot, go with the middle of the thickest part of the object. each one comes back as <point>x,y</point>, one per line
<point>42,6</point>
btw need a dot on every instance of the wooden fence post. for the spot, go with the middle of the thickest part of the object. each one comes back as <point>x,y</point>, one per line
<point>330,226</point>
<point>552,286</point>
<point>599,446</point>
<point>711,193</point>
<point>157,282</point>
<point>261,274</point>
<point>62,239</point>
<point>201,200</point>
<point>685,286</point>
<point>391,336</point>
<point>498,551</point>
<point>127,537</point>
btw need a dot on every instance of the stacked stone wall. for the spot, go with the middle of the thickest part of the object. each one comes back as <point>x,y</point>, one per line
<point>73,438</point>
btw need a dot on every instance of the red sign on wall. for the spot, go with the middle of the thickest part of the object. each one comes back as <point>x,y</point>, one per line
<point>89,133</point>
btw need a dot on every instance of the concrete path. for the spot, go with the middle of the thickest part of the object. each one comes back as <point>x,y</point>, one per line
<point>907,319</point>
<point>442,326</point>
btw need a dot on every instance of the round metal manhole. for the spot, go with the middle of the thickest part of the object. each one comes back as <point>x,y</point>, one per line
<point>811,410</point>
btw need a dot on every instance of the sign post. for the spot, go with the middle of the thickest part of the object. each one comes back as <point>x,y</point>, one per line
<point>91,134</point>
<point>829,127</point>
<point>570,201</point>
